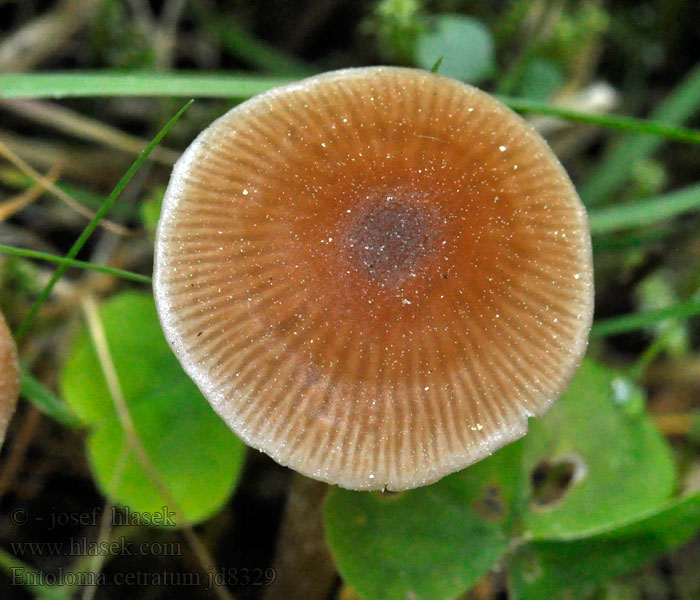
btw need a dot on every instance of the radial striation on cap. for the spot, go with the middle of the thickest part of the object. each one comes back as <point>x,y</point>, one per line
<point>374,275</point>
<point>9,377</point>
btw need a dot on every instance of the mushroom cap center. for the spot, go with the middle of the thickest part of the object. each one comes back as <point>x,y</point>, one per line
<point>389,236</point>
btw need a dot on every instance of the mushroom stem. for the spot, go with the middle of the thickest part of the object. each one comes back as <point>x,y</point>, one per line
<point>303,564</point>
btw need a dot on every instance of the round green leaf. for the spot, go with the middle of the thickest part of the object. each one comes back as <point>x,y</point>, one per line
<point>540,79</point>
<point>141,356</point>
<point>433,542</point>
<point>196,456</point>
<point>465,44</point>
<point>193,450</point>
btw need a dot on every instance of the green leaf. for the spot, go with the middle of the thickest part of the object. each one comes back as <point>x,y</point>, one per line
<point>143,361</point>
<point>196,455</point>
<point>192,449</point>
<point>643,127</point>
<point>71,262</point>
<point>540,79</point>
<point>571,568</point>
<point>433,542</point>
<point>600,428</point>
<point>465,44</point>
<point>436,67</point>
<point>212,85</point>
<point>436,541</point>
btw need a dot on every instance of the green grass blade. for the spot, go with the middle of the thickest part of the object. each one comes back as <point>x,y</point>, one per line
<point>261,56</point>
<point>80,264</point>
<point>179,84</point>
<point>436,67</point>
<point>101,84</point>
<point>619,122</point>
<point>243,45</point>
<point>21,572</point>
<point>615,167</point>
<point>92,225</point>
<point>647,212</point>
<point>644,319</point>
<point>45,400</point>
<point>631,239</point>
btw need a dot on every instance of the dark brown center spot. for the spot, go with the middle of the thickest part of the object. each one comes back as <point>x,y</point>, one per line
<point>389,235</point>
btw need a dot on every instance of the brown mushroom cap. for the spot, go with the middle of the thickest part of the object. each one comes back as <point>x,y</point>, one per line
<point>375,275</point>
<point>9,377</point>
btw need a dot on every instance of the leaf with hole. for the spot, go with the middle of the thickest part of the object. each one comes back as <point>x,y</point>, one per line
<point>433,542</point>
<point>593,462</point>
<point>572,568</point>
<point>606,453</point>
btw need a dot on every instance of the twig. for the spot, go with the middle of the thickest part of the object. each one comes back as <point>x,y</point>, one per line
<point>165,38</point>
<point>144,15</point>
<point>49,186</point>
<point>73,123</point>
<point>105,529</point>
<point>19,202</point>
<point>43,37</point>
<point>675,424</point>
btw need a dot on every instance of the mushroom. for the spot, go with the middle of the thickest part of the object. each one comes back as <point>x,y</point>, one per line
<point>374,275</point>
<point>9,377</point>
